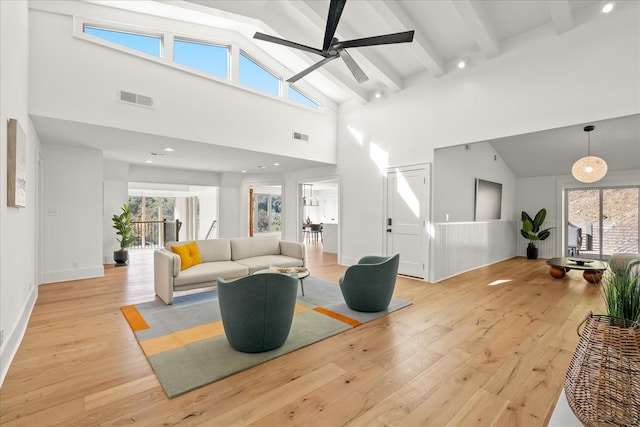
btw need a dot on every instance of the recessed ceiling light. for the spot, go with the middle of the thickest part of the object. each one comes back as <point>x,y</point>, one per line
<point>608,7</point>
<point>276,164</point>
<point>261,167</point>
<point>378,94</point>
<point>462,63</point>
<point>169,149</point>
<point>243,171</point>
<point>148,161</point>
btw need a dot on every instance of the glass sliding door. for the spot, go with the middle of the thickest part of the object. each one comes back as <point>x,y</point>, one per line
<point>602,221</point>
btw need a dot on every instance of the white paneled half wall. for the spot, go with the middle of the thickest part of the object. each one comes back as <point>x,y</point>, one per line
<point>462,246</point>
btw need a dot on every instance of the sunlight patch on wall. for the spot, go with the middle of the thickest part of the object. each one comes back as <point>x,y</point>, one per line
<point>358,135</point>
<point>379,157</point>
<point>407,194</point>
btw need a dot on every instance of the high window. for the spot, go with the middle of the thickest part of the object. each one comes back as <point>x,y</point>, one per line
<point>142,42</point>
<point>257,77</point>
<point>211,59</point>
<point>296,96</point>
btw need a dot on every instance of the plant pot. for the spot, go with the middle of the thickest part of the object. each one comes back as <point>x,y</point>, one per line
<point>121,257</point>
<point>532,252</point>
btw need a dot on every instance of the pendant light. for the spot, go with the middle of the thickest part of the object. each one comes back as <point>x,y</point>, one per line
<point>591,168</point>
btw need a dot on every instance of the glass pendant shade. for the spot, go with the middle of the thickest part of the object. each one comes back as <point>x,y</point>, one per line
<point>589,169</point>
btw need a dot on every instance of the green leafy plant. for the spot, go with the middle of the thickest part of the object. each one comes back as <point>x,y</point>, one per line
<point>124,226</point>
<point>531,227</point>
<point>621,294</point>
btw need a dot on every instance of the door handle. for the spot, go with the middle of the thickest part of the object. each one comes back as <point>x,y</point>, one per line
<point>388,230</point>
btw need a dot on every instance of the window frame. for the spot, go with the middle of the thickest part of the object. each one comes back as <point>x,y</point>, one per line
<point>118,29</point>
<point>232,41</point>
<point>182,39</point>
<point>302,93</point>
<point>252,58</point>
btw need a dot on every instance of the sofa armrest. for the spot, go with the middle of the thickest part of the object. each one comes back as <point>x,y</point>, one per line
<point>164,271</point>
<point>293,249</point>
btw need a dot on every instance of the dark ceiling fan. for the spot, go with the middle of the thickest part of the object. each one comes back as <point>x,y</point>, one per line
<point>333,48</point>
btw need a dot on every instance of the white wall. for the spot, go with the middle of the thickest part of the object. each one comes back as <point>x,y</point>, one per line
<point>115,195</point>
<point>208,212</point>
<point>18,226</point>
<point>193,108</point>
<point>587,74</point>
<point>455,171</point>
<point>74,232</point>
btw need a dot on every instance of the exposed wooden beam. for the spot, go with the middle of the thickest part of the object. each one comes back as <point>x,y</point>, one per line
<point>393,13</point>
<point>561,15</point>
<point>478,25</point>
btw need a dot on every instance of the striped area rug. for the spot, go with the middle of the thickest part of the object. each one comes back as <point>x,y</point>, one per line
<point>186,346</point>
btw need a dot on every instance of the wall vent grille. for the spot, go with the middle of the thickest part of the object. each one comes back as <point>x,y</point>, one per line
<point>134,98</point>
<point>298,136</point>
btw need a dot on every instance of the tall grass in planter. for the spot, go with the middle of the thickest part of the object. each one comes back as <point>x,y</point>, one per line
<point>602,383</point>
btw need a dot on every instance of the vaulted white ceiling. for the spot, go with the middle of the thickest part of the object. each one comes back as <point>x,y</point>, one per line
<point>445,32</point>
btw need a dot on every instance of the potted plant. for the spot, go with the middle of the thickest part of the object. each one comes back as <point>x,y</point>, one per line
<point>124,226</point>
<point>531,231</point>
<point>603,379</point>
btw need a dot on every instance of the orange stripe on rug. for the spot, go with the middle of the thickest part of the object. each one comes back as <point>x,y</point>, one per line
<point>135,319</point>
<point>181,338</point>
<point>338,316</point>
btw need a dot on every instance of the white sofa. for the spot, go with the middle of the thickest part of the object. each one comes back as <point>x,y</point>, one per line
<point>226,258</point>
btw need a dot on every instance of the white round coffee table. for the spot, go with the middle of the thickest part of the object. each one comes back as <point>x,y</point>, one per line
<point>301,272</point>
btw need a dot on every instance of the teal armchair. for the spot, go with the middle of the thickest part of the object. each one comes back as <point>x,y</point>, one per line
<point>257,311</point>
<point>368,285</point>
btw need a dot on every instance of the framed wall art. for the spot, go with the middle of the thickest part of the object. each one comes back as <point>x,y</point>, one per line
<point>16,165</point>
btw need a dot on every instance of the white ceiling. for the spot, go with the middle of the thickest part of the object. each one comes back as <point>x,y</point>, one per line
<point>445,31</point>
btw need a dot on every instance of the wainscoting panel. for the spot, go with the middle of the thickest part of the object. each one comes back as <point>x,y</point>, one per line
<point>462,246</point>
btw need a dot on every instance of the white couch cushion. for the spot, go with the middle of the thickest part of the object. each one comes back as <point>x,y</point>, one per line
<point>247,247</point>
<point>210,271</point>
<point>263,262</point>
<point>214,250</point>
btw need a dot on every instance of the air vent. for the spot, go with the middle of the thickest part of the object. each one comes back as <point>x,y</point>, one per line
<point>300,136</point>
<point>134,98</point>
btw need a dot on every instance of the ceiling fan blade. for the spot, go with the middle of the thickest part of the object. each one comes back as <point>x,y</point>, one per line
<point>355,69</point>
<point>306,71</point>
<point>268,38</point>
<point>404,37</point>
<point>335,11</point>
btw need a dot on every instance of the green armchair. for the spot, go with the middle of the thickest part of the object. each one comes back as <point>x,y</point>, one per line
<point>257,310</point>
<point>368,285</point>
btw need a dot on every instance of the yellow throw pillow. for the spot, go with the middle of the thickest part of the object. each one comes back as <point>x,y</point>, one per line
<point>189,254</point>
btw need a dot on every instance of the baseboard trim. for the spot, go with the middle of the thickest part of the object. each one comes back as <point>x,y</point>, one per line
<point>75,274</point>
<point>12,342</point>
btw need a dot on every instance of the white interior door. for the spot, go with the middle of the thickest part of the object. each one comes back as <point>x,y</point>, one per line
<point>407,210</point>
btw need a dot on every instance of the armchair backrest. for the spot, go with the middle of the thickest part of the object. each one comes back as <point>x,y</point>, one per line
<point>257,310</point>
<point>369,285</point>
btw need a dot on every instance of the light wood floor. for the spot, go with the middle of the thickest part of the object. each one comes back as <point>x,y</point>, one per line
<point>469,351</point>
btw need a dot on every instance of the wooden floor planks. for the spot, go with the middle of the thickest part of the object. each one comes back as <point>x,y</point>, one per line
<point>487,347</point>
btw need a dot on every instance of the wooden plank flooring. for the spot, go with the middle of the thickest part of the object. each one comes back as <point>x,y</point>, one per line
<point>469,351</point>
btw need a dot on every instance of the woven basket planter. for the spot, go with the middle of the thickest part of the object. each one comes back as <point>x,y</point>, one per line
<point>602,384</point>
